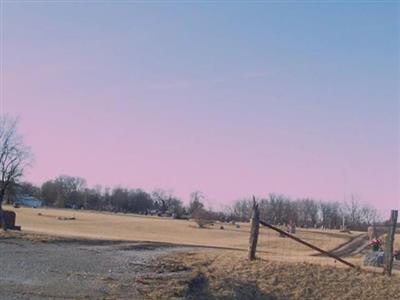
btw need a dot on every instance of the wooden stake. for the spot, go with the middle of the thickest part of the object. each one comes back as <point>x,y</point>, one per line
<point>388,263</point>
<point>255,225</point>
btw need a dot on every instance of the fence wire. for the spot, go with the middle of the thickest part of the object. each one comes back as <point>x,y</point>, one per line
<point>277,246</point>
<point>359,248</point>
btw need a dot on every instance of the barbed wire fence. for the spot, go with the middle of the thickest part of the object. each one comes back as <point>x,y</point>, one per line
<point>335,247</point>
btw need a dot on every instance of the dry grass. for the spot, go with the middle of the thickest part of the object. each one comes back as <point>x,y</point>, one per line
<point>130,227</point>
<point>228,275</point>
<point>108,226</point>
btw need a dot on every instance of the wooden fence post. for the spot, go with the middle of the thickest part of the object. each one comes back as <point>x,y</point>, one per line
<point>388,263</point>
<point>255,225</point>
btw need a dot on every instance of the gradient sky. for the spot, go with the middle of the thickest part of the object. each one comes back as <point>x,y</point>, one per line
<point>232,99</point>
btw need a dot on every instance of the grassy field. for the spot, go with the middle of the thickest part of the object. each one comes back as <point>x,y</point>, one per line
<point>131,227</point>
<point>110,226</point>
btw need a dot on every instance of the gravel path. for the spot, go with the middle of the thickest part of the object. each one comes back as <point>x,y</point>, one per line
<point>75,269</point>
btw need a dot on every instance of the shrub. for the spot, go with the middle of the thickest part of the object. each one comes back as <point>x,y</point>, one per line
<point>202,217</point>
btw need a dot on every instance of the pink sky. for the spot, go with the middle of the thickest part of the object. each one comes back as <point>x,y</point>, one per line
<point>154,97</point>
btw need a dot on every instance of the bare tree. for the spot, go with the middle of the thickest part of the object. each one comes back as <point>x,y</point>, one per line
<point>241,210</point>
<point>354,214</point>
<point>196,201</point>
<point>14,158</point>
<point>165,201</point>
<point>330,214</point>
<point>369,214</point>
<point>307,212</point>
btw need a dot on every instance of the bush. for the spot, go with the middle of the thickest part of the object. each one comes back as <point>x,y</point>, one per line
<point>202,217</point>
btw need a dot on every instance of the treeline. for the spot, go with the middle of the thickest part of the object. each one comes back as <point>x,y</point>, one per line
<point>73,192</point>
<point>281,210</point>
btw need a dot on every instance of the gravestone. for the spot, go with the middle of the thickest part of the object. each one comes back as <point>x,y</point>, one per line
<point>10,220</point>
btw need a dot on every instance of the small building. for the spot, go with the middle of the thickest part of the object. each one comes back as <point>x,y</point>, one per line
<point>28,201</point>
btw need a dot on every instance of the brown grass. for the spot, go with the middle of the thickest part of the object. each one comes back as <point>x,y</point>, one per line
<point>228,275</point>
<point>130,227</point>
<point>109,226</point>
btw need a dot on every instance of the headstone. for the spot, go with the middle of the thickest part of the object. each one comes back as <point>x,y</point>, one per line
<point>10,220</point>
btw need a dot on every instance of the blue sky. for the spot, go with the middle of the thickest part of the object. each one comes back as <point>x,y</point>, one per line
<point>230,98</point>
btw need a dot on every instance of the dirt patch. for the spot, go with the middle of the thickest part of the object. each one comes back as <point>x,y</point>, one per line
<point>44,267</point>
<point>227,275</point>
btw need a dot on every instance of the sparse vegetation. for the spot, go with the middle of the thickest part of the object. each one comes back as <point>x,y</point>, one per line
<point>202,217</point>
<point>228,275</point>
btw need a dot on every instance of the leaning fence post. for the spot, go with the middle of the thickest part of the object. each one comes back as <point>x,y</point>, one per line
<point>254,228</point>
<point>388,263</point>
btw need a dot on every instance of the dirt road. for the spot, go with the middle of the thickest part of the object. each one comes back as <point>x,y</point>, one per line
<point>73,269</point>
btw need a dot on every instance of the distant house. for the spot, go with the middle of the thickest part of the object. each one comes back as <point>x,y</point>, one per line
<point>28,201</point>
